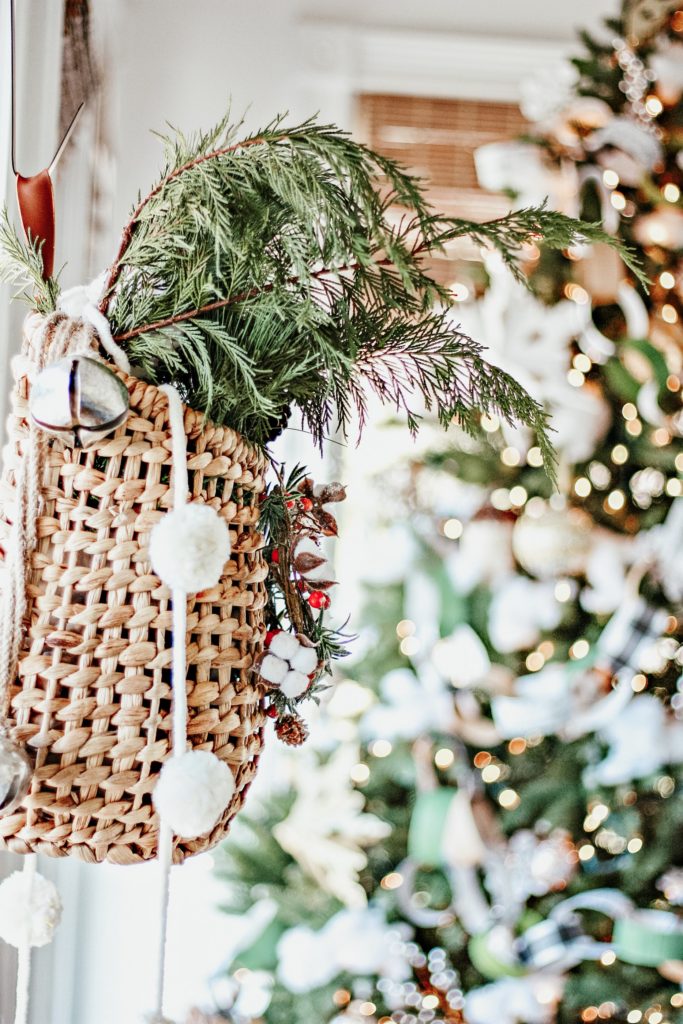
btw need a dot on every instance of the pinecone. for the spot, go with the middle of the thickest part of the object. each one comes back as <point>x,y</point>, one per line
<point>292,730</point>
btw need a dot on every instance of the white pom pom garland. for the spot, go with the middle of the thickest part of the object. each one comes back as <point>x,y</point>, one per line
<point>189,547</point>
<point>192,792</point>
<point>294,684</point>
<point>29,905</point>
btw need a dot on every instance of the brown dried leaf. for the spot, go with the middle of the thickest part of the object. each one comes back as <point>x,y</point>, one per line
<point>330,492</point>
<point>307,561</point>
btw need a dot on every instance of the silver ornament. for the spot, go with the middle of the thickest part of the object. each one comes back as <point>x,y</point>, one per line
<point>16,771</point>
<point>79,400</point>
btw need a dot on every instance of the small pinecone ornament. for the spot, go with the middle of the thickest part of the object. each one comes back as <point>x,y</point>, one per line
<point>292,730</point>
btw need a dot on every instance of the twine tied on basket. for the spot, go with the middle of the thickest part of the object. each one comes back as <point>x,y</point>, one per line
<point>76,328</point>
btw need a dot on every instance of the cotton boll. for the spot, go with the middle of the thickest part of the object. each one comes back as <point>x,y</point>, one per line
<point>273,669</point>
<point>284,646</point>
<point>294,684</point>
<point>305,660</point>
<point>192,792</point>
<point>42,911</point>
<point>189,547</point>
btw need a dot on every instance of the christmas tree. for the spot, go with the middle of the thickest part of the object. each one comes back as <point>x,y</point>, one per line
<point>499,838</point>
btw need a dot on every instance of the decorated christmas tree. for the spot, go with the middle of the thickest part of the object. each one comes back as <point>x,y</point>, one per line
<point>499,840</point>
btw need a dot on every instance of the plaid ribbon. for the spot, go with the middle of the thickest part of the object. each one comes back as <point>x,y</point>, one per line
<point>629,635</point>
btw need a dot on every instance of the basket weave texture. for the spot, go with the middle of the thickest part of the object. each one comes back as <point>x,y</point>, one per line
<point>92,701</point>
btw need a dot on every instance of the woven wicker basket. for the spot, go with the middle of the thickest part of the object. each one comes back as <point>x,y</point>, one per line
<point>92,701</point>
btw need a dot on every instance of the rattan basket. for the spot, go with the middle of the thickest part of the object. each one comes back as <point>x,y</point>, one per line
<point>92,701</point>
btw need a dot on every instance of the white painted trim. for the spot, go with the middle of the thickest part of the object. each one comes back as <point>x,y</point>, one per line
<point>353,58</point>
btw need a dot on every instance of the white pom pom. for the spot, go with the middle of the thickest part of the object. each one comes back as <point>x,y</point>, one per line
<point>284,645</point>
<point>192,792</point>
<point>273,669</point>
<point>305,660</point>
<point>42,913</point>
<point>294,684</point>
<point>189,547</point>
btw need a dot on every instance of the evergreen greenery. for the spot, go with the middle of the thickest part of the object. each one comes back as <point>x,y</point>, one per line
<point>272,271</point>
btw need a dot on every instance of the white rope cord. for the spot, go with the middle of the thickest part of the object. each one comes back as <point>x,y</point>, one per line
<point>181,493</point>
<point>24,954</point>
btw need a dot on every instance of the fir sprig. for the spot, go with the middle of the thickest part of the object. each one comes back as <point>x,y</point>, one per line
<point>272,271</point>
<point>21,263</point>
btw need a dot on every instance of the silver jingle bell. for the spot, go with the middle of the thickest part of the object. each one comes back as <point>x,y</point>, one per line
<point>79,400</point>
<point>16,772</point>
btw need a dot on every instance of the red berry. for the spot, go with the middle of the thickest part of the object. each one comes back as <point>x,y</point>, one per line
<point>275,556</point>
<point>270,634</point>
<point>289,504</point>
<point>318,599</point>
<point>271,711</point>
<point>306,504</point>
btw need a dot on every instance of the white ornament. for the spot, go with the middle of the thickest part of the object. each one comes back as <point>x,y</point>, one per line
<point>192,792</point>
<point>189,547</point>
<point>28,902</point>
<point>556,543</point>
<point>294,684</point>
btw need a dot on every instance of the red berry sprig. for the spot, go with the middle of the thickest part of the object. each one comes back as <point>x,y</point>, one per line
<point>318,599</point>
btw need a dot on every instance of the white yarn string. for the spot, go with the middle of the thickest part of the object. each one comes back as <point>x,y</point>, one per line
<point>181,493</point>
<point>24,954</point>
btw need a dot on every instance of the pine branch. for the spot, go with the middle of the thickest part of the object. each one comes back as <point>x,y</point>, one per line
<point>21,263</point>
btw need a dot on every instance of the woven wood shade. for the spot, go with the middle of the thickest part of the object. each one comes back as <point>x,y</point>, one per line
<point>436,139</point>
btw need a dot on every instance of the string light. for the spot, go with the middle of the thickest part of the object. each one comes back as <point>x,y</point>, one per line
<point>672,193</point>
<point>634,845</point>
<point>452,529</point>
<point>582,362</point>
<point>534,457</point>
<point>367,1009</point>
<point>360,773</point>
<point>509,799</point>
<point>669,314</point>
<point>608,958</point>
<point>482,759</point>
<point>409,646</point>
<point>381,748</point>
<point>654,106</point>
<point>518,496</point>
<point>639,683</point>
<point>563,591</point>
<point>534,661</point>
<point>576,378</point>
<point>444,758</point>
<point>618,200</point>
<point>634,1017</point>
<point>586,852</point>
<point>616,500</point>
<point>459,292</point>
<point>666,279</point>
<point>619,454</point>
<point>490,423</point>
<point>405,628</point>
<point>629,411</point>
<point>674,488</point>
<point>491,773</point>
<point>393,880</point>
<point>511,456</point>
<point>600,475</point>
<point>582,486</point>
<point>579,649</point>
<point>634,428</point>
<point>500,499</point>
<point>661,437</point>
<point>610,178</point>
<point>517,746</point>
<point>576,293</point>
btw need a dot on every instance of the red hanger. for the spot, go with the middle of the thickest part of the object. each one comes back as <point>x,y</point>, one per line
<point>35,194</point>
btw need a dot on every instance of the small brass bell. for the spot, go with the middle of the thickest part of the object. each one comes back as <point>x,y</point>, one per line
<point>16,771</point>
<point>79,400</point>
